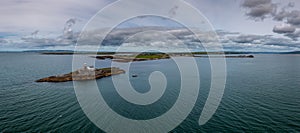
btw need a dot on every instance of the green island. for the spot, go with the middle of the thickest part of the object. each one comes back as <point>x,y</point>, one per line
<point>134,57</point>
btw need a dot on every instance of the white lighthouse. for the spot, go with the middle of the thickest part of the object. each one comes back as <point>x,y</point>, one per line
<point>86,70</point>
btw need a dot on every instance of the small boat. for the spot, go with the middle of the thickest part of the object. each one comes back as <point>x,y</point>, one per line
<point>134,75</point>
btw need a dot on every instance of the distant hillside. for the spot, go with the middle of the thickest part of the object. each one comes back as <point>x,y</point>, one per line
<point>294,52</point>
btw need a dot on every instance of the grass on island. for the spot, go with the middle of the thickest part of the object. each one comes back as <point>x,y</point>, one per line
<point>154,56</point>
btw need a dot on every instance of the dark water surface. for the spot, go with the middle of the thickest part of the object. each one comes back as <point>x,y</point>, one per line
<point>262,95</point>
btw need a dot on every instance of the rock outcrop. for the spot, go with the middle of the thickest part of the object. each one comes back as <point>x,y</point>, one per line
<point>77,76</point>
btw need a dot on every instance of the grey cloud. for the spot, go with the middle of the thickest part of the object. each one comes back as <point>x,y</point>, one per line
<point>284,28</point>
<point>2,41</point>
<point>254,3</point>
<point>291,17</point>
<point>246,38</point>
<point>259,43</point>
<point>29,42</point>
<point>67,38</point>
<point>294,35</point>
<point>230,40</point>
<point>282,42</point>
<point>118,36</point>
<point>37,42</point>
<point>291,4</point>
<point>281,15</point>
<point>259,9</point>
<point>222,32</point>
<point>131,37</point>
<point>294,17</point>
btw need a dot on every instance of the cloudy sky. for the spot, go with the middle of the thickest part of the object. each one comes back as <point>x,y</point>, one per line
<point>241,25</point>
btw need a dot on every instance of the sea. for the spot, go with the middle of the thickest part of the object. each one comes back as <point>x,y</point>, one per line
<point>262,94</point>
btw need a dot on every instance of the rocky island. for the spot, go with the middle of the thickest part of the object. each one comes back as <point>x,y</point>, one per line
<point>86,73</point>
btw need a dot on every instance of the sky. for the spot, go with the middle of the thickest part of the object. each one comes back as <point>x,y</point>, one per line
<point>241,25</point>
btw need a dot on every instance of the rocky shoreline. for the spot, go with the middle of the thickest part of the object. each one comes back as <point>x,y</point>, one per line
<point>76,76</point>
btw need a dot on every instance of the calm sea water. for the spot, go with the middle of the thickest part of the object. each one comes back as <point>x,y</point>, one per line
<point>262,95</point>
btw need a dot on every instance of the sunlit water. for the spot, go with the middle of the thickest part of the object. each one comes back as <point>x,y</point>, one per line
<point>262,94</point>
